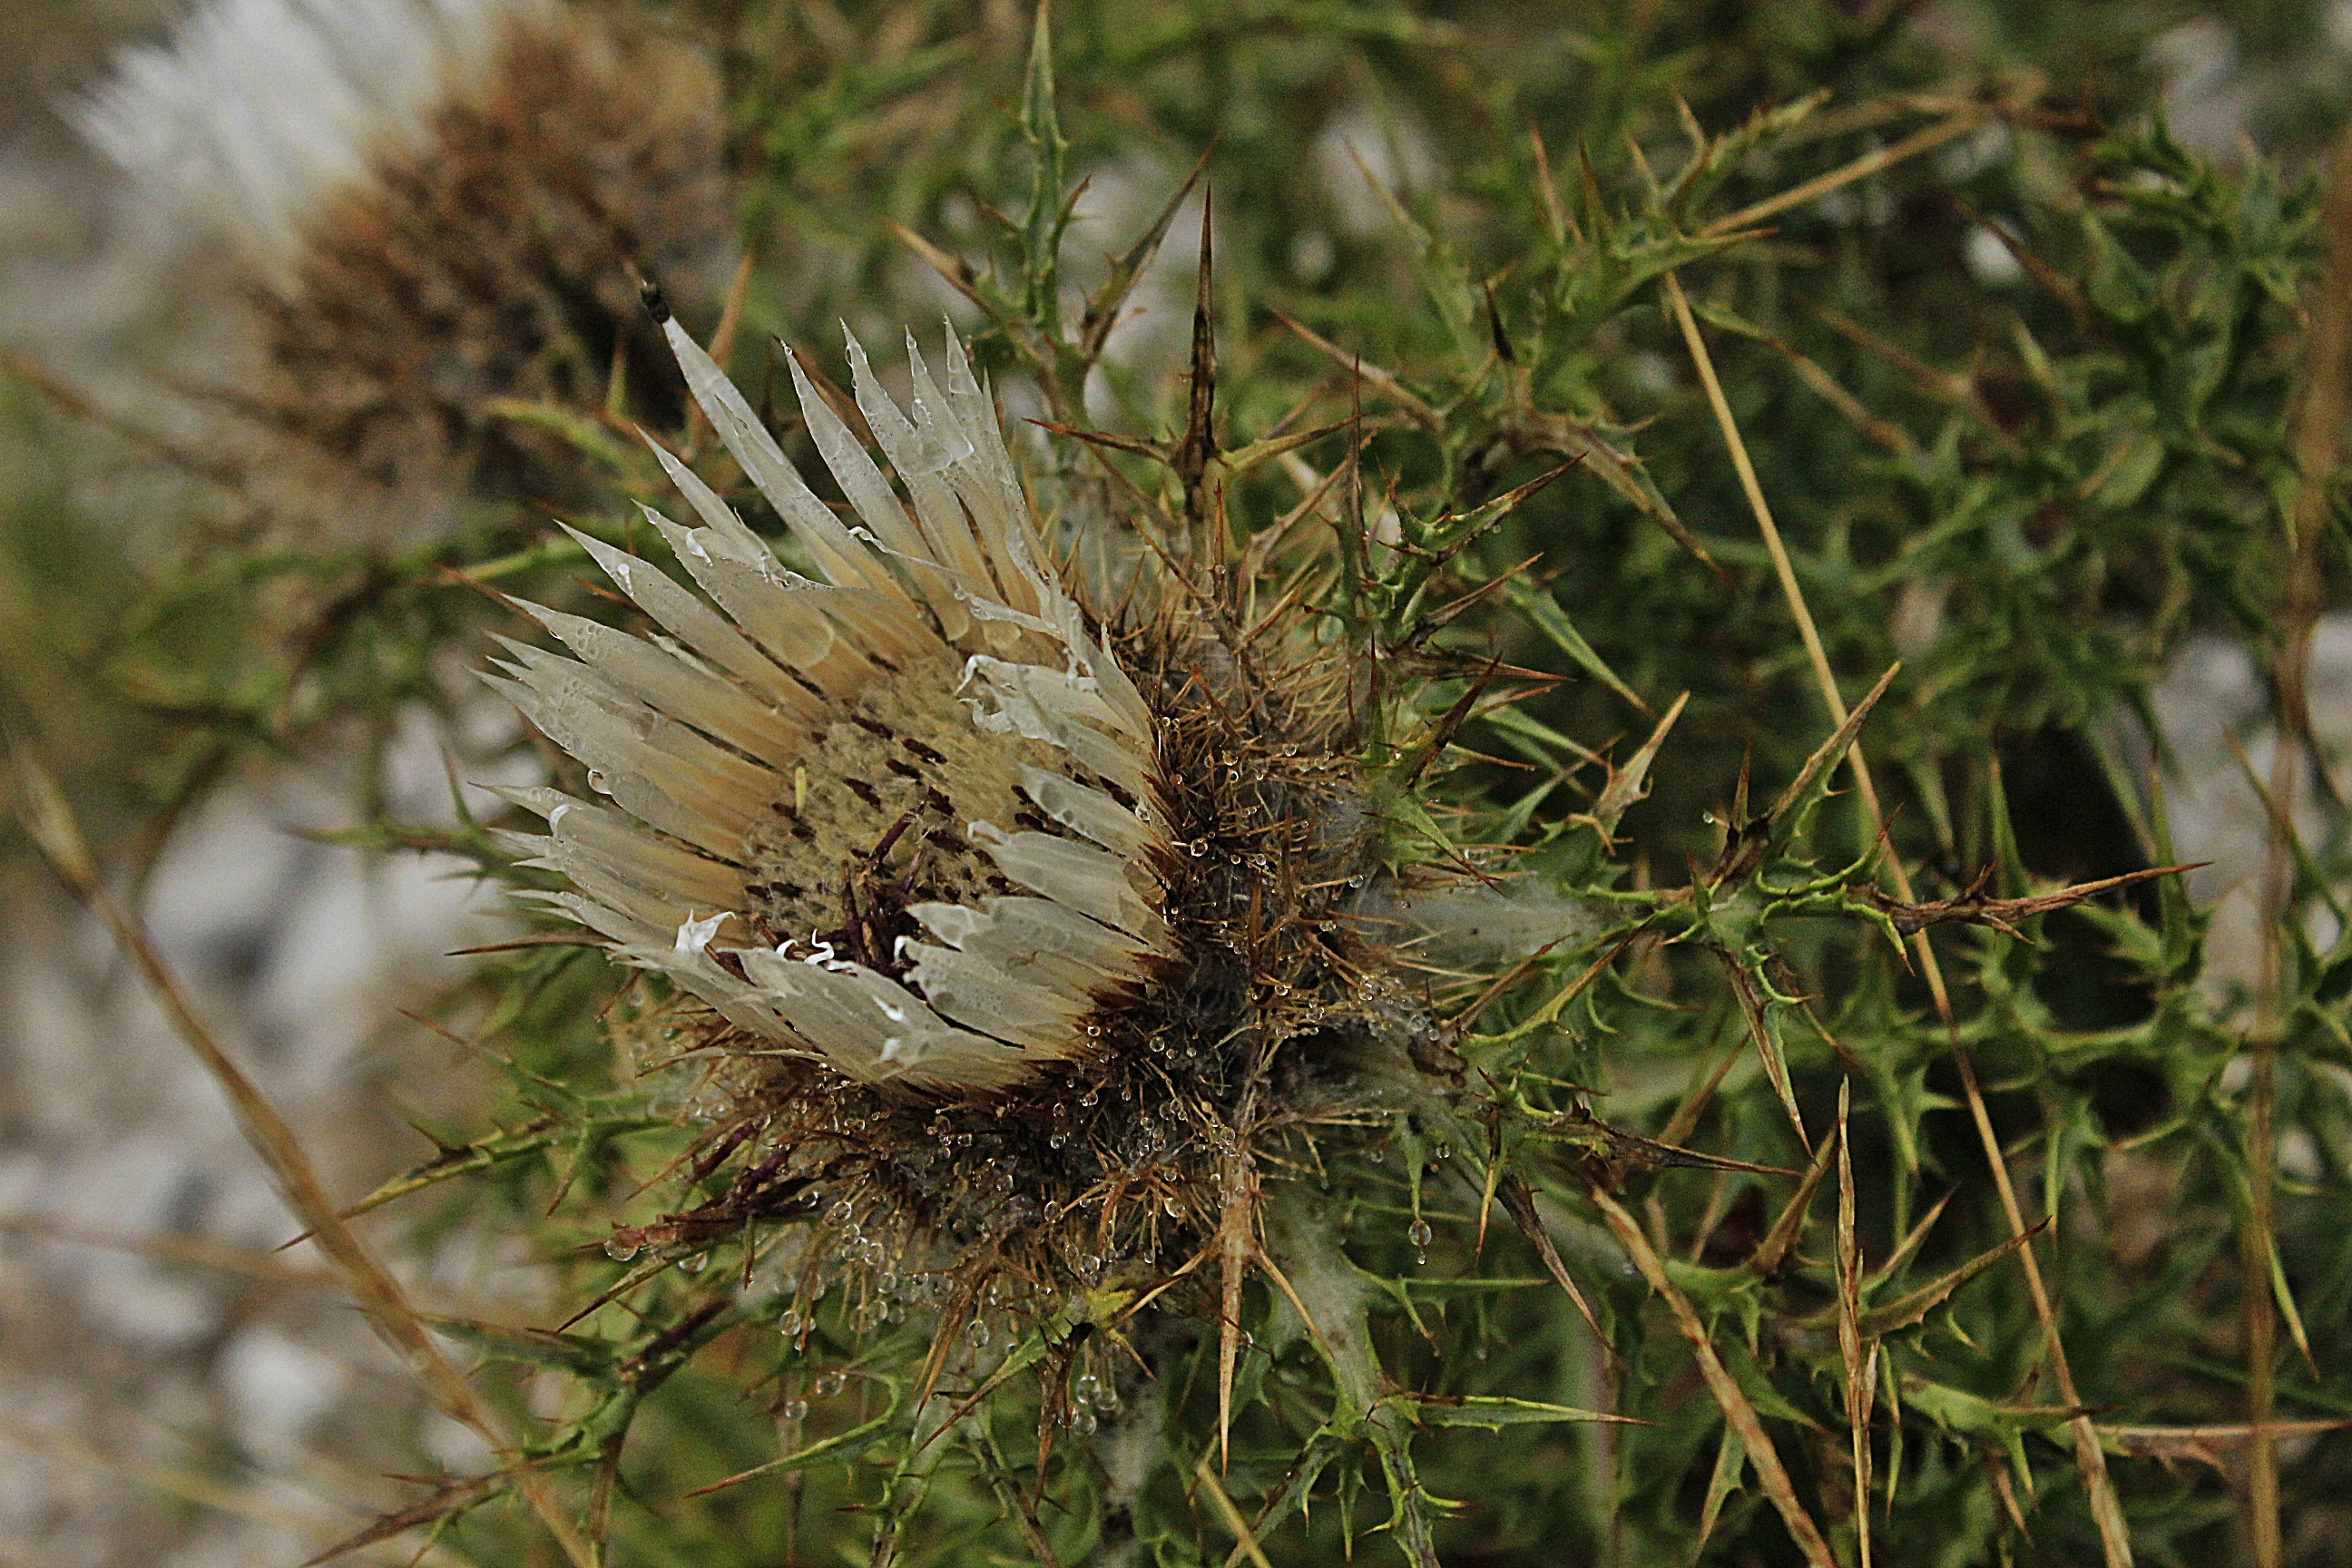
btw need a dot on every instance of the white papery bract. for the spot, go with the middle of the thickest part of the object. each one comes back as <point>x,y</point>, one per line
<point>901,816</point>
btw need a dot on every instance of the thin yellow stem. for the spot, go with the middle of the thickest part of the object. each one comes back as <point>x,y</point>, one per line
<point>371,1285</point>
<point>2088,1456</point>
<point>1739,1414</point>
<point>1869,163</point>
<point>2319,454</point>
<point>1244,1538</point>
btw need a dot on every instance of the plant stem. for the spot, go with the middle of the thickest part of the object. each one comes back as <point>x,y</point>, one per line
<point>2318,453</point>
<point>370,1284</point>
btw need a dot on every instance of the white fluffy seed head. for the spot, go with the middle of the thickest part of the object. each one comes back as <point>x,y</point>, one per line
<point>252,110</point>
<point>375,227</point>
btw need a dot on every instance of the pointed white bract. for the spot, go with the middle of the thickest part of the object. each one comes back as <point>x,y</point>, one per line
<point>900,818</point>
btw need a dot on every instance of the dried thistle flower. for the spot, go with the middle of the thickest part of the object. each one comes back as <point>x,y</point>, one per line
<point>429,212</point>
<point>1016,916</point>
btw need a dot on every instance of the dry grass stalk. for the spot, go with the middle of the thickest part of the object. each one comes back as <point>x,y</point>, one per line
<point>1737,1410</point>
<point>1861,1361</point>
<point>51,824</point>
<point>2318,457</point>
<point>1245,1538</point>
<point>2114,1538</point>
<point>1923,140</point>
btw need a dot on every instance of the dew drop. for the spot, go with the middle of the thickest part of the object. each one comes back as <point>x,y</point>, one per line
<point>977,1334</point>
<point>795,1409</point>
<point>1085,1422</point>
<point>829,1383</point>
<point>694,1265</point>
<point>790,1323</point>
<point>1419,1233</point>
<point>1378,1156</point>
<point>620,1251</point>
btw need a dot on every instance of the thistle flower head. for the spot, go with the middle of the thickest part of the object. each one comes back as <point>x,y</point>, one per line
<point>426,210</point>
<point>907,817</point>
<point>255,109</point>
<point>1001,901</point>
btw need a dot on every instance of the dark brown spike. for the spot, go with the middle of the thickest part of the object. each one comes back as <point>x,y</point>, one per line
<point>1972,907</point>
<point>1443,730</point>
<point>1503,350</point>
<point>1108,441</point>
<point>1102,311</point>
<point>1520,1205</point>
<point>1199,447</point>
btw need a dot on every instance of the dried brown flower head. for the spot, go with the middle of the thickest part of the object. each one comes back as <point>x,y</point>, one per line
<point>434,215</point>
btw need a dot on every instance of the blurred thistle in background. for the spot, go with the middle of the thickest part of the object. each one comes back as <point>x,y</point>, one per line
<point>347,261</point>
<point>427,215</point>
